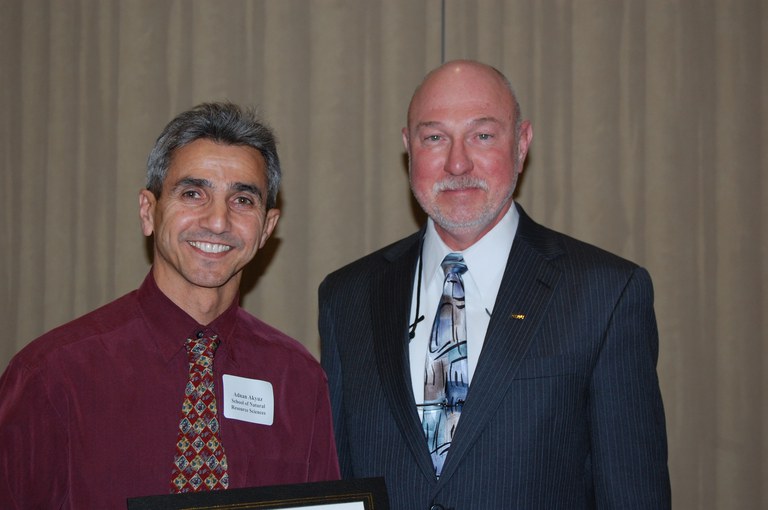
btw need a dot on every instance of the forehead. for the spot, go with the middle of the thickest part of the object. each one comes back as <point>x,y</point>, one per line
<point>217,161</point>
<point>461,93</point>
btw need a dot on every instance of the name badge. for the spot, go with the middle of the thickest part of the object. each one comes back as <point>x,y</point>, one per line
<point>248,400</point>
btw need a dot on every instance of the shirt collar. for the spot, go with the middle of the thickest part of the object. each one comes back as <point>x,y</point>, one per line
<point>486,259</point>
<point>170,326</point>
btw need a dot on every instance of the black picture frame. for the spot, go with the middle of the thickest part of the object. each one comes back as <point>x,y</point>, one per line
<point>370,493</point>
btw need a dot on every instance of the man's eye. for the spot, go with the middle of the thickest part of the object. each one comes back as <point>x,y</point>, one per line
<point>432,138</point>
<point>191,193</point>
<point>244,201</point>
<point>485,136</point>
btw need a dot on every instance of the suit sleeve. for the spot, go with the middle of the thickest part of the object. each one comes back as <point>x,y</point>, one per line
<point>629,444</point>
<point>331,362</point>
<point>323,464</point>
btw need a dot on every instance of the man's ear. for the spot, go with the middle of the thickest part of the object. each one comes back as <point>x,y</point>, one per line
<point>405,141</point>
<point>523,143</point>
<point>147,204</point>
<point>270,222</point>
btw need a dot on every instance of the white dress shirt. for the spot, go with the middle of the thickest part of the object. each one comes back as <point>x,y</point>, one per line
<point>486,260</point>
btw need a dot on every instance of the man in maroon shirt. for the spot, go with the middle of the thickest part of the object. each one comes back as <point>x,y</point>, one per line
<point>89,412</point>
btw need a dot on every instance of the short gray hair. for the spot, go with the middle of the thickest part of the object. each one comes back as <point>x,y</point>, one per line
<point>224,123</point>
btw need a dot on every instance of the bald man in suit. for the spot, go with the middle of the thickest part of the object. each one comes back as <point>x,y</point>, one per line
<point>547,396</point>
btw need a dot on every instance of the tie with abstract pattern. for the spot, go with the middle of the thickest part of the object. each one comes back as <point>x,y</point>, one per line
<point>200,463</point>
<point>446,378</point>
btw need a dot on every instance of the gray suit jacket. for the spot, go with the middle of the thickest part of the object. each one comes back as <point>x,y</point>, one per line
<point>564,409</point>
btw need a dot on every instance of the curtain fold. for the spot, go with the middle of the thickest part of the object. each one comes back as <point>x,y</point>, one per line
<point>649,140</point>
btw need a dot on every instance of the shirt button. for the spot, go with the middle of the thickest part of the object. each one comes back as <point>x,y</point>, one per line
<point>437,506</point>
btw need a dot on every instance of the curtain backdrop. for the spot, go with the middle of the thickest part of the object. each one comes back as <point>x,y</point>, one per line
<point>650,123</point>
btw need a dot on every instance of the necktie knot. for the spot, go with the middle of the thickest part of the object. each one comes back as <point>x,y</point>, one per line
<point>453,263</point>
<point>201,347</point>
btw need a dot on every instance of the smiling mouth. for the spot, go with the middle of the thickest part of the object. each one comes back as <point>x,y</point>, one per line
<point>210,247</point>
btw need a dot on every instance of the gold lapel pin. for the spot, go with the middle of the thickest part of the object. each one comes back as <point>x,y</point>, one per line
<point>517,316</point>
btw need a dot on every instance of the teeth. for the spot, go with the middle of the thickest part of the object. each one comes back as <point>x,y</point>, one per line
<point>210,247</point>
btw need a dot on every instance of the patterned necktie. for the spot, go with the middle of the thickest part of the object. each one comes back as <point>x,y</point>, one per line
<point>446,378</point>
<point>199,463</point>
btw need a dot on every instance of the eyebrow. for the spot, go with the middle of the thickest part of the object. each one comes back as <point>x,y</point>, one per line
<point>247,188</point>
<point>192,181</point>
<point>486,120</point>
<point>473,122</point>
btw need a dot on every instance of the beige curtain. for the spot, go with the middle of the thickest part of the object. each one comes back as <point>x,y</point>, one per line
<point>650,123</point>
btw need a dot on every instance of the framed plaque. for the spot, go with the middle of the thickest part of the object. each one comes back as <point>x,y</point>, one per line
<point>357,494</point>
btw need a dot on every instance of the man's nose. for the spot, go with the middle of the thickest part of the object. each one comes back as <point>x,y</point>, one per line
<point>459,161</point>
<point>216,218</point>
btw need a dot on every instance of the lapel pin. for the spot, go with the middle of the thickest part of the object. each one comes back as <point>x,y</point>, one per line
<point>517,316</point>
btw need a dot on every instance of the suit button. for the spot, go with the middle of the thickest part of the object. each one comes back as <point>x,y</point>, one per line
<point>437,507</point>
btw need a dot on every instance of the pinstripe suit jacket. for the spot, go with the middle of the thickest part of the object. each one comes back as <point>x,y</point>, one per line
<point>564,409</point>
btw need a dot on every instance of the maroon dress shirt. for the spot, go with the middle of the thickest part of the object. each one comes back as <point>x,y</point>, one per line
<point>89,412</point>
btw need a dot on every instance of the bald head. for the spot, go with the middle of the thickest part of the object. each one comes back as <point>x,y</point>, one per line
<point>461,74</point>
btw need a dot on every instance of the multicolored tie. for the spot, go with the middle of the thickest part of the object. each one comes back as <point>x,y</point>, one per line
<point>200,462</point>
<point>446,378</point>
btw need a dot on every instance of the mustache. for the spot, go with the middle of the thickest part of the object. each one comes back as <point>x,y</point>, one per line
<point>459,183</point>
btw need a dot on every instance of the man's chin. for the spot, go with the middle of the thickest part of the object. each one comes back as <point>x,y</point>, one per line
<point>210,280</point>
<point>460,224</point>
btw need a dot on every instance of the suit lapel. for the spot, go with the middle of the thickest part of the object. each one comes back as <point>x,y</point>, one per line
<point>390,299</point>
<point>527,285</point>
